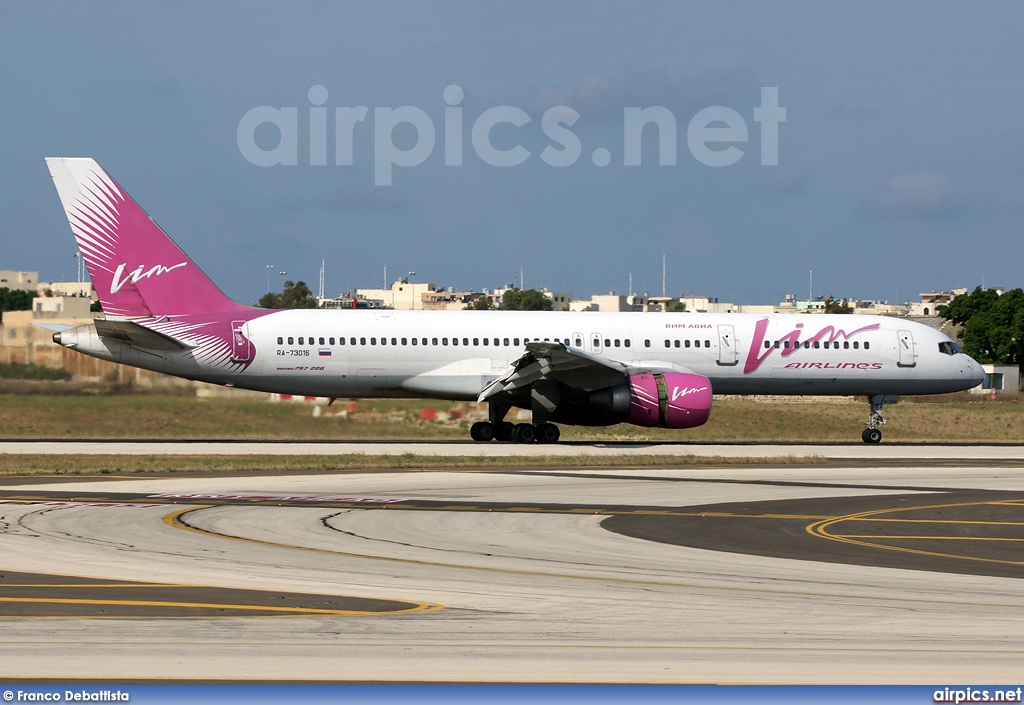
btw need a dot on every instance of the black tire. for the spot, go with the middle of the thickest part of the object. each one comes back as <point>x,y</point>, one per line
<point>872,435</point>
<point>548,433</point>
<point>481,431</point>
<point>505,432</point>
<point>525,433</point>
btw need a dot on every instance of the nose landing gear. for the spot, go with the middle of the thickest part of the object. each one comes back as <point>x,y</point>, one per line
<point>873,434</point>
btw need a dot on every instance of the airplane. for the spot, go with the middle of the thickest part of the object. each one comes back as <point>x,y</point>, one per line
<point>652,370</point>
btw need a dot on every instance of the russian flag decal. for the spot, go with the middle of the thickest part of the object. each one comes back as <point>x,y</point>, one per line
<point>325,352</point>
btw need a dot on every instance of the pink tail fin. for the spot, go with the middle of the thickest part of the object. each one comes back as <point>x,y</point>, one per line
<point>137,270</point>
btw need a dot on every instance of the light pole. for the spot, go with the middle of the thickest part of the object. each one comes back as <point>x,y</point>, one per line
<point>413,285</point>
<point>269,268</point>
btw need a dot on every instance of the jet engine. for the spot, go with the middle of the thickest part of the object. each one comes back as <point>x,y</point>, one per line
<point>666,399</point>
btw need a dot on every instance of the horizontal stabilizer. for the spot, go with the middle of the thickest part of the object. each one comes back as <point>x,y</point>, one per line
<point>55,327</point>
<point>139,336</point>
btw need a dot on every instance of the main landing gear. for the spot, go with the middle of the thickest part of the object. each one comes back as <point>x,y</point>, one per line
<point>483,431</point>
<point>873,434</point>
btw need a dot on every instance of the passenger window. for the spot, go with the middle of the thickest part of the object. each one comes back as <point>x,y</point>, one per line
<point>867,346</point>
<point>777,345</point>
<point>785,344</point>
<point>332,341</point>
<point>280,341</point>
<point>383,341</point>
<point>291,340</point>
<point>506,341</point>
<point>455,341</point>
<point>626,342</point>
<point>647,343</point>
<point>816,345</point>
<point>856,345</point>
<point>394,341</point>
<point>321,341</point>
<point>373,341</point>
<point>465,341</point>
<point>668,343</point>
<point>476,341</point>
<point>352,341</point>
<point>515,341</point>
<point>486,341</point>
<point>362,341</point>
<point>687,343</point>
<point>415,341</point>
<point>423,341</point>
<point>496,342</point>
<point>617,341</point>
<point>767,344</point>
<point>846,344</point>
<point>300,340</point>
<point>707,343</point>
<point>607,342</point>
<point>405,341</point>
<point>433,341</point>
<point>444,341</point>
<point>677,343</point>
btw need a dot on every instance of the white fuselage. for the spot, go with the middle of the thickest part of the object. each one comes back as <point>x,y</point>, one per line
<point>456,354</point>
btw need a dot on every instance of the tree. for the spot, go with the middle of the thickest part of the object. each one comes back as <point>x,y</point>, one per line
<point>481,303</point>
<point>678,307</point>
<point>833,306</point>
<point>525,300</point>
<point>993,325</point>
<point>295,295</point>
<point>15,300</point>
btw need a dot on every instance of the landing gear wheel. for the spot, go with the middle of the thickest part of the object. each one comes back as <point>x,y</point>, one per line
<point>524,433</point>
<point>548,433</point>
<point>872,435</point>
<point>481,431</point>
<point>505,432</point>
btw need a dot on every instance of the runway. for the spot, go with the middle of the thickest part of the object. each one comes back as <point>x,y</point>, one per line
<point>845,573</point>
<point>852,450</point>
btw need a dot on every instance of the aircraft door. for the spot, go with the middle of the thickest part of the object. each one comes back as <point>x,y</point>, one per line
<point>728,354</point>
<point>241,346</point>
<point>596,343</point>
<point>905,344</point>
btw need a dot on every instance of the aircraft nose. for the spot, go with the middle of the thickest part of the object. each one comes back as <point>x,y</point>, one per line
<point>977,372</point>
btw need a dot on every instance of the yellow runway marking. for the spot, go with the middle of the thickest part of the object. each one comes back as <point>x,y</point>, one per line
<point>925,538</point>
<point>173,520</point>
<point>199,605</point>
<point>820,529</point>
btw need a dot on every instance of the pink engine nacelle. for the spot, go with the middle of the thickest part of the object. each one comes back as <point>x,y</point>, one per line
<point>669,400</point>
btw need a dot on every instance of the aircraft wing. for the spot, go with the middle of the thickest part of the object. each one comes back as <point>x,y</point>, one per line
<point>556,361</point>
<point>139,336</point>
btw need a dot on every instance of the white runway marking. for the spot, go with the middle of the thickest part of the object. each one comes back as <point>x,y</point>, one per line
<point>854,451</point>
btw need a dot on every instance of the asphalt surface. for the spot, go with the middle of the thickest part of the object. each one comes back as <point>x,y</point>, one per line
<point>855,450</point>
<point>850,572</point>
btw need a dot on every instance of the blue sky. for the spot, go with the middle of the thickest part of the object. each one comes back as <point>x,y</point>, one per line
<point>901,160</point>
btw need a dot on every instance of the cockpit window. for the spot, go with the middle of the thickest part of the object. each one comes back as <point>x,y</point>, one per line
<point>948,347</point>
